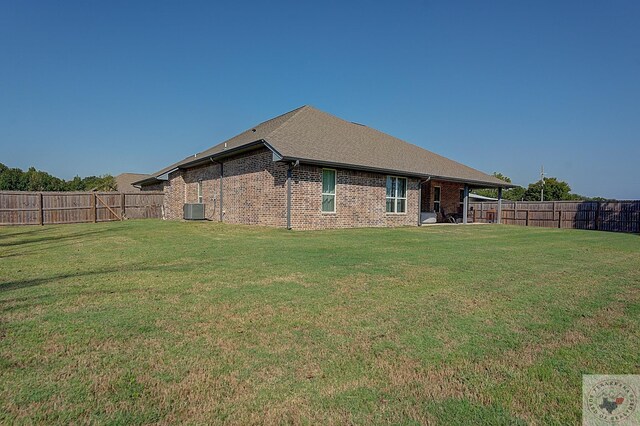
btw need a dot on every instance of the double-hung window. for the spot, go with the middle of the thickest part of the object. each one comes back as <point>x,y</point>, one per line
<point>199,192</point>
<point>436,199</point>
<point>396,194</point>
<point>328,191</point>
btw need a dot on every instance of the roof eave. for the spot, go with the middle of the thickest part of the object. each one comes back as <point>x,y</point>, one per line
<point>474,183</point>
<point>228,153</point>
<point>148,181</point>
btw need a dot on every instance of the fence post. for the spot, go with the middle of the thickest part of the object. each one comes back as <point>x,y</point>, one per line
<point>560,219</point>
<point>94,207</point>
<point>598,217</point>
<point>515,212</point>
<point>122,210</point>
<point>526,223</point>
<point>40,210</point>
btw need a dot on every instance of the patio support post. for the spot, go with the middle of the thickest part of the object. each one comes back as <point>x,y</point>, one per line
<point>499,212</point>
<point>465,205</point>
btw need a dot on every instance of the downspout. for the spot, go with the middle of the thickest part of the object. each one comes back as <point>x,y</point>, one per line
<point>221,174</point>
<point>289,173</point>
<point>221,192</point>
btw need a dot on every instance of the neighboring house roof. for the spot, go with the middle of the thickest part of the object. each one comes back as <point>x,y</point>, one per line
<point>481,197</point>
<point>316,137</point>
<point>124,181</point>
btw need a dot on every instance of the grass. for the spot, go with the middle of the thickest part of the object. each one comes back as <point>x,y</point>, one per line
<point>162,322</point>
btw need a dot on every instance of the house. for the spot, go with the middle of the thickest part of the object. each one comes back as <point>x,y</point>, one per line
<point>308,169</point>
<point>124,181</point>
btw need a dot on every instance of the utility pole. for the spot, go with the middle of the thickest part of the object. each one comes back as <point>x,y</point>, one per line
<point>542,178</point>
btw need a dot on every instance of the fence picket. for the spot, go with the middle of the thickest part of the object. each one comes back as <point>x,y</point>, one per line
<point>617,216</point>
<point>45,208</point>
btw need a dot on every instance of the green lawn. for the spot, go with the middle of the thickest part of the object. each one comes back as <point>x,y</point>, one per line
<point>151,321</point>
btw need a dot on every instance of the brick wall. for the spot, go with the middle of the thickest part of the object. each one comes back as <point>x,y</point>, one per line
<point>360,200</point>
<point>255,192</point>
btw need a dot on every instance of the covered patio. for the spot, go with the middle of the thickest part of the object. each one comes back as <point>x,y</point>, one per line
<point>447,201</point>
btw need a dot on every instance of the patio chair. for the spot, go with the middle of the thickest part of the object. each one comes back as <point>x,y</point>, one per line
<point>448,217</point>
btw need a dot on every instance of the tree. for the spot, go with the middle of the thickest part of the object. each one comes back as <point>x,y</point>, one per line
<point>75,184</point>
<point>13,180</point>
<point>41,181</point>
<point>554,190</point>
<point>36,180</point>
<point>100,183</point>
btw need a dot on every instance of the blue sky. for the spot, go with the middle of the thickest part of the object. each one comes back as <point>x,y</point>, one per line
<point>94,87</point>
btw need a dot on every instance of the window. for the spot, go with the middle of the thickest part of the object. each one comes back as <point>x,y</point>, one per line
<point>328,191</point>
<point>396,194</point>
<point>436,199</point>
<point>200,192</point>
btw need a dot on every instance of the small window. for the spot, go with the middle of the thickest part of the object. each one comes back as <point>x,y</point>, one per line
<point>396,194</point>
<point>200,192</point>
<point>461,196</point>
<point>436,199</point>
<point>328,191</point>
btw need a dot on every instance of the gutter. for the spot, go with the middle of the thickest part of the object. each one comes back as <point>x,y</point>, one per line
<point>221,174</point>
<point>224,153</point>
<point>476,183</point>
<point>289,194</point>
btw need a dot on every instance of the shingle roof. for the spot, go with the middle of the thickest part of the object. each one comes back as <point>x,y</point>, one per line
<point>313,136</point>
<point>124,181</point>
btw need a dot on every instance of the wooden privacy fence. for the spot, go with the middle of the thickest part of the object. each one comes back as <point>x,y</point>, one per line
<point>44,208</point>
<point>619,216</point>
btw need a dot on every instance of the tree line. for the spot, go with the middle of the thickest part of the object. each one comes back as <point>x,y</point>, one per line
<point>15,179</point>
<point>554,190</point>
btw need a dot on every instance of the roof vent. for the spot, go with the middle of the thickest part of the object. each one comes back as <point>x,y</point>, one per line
<point>358,124</point>
<point>253,130</point>
<point>225,145</point>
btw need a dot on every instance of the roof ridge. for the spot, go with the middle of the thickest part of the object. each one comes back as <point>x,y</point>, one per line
<point>289,120</point>
<point>295,111</point>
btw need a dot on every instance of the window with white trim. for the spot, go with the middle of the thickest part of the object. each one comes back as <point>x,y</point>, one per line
<point>328,191</point>
<point>200,192</point>
<point>436,199</point>
<point>396,194</point>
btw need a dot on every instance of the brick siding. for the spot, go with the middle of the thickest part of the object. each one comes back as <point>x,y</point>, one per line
<point>360,200</point>
<point>255,192</point>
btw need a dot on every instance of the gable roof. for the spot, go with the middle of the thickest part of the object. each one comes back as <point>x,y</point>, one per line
<point>316,137</point>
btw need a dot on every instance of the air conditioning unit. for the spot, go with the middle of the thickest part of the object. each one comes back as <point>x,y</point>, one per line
<point>193,211</point>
